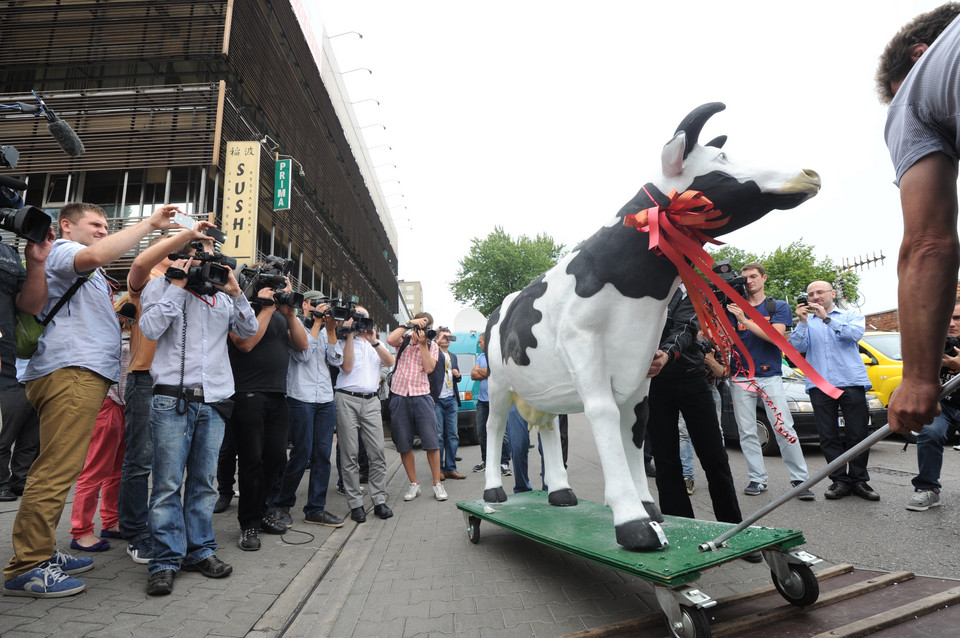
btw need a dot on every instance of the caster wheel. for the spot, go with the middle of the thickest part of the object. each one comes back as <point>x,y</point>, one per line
<point>801,588</point>
<point>694,623</point>
<point>473,529</point>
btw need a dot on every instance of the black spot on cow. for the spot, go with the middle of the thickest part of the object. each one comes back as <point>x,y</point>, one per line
<point>741,203</point>
<point>642,413</point>
<point>516,330</point>
<point>620,255</point>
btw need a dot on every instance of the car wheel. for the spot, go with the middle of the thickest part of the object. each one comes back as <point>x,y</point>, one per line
<point>768,445</point>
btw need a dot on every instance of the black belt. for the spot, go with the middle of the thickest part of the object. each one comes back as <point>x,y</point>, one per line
<point>139,372</point>
<point>190,394</point>
<point>359,395</point>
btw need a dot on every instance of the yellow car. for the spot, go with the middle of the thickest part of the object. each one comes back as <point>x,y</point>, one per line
<point>881,354</point>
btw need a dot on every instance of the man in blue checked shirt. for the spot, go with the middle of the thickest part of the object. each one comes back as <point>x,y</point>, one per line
<point>828,336</point>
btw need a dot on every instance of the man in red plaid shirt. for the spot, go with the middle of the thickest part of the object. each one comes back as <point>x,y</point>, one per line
<point>411,406</point>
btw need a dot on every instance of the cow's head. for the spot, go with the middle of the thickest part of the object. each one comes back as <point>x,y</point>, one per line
<point>744,194</point>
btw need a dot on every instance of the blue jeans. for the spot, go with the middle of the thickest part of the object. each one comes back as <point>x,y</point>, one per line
<point>745,411</point>
<point>930,443</point>
<point>447,432</point>
<point>311,430</point>
<point>519,435</point>
<point>686,449</point>
<point>483,413</point>
<point>137,460</point>
<point>191,441</point>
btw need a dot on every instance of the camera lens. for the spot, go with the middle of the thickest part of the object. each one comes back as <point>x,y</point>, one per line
<point>28,222</point>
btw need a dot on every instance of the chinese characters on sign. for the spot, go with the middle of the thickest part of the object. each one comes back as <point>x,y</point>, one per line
<point>240,187</point>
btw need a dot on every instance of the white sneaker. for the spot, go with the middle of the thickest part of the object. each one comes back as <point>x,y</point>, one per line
<point>412,492</point>
<point>439,492</point>
<point>956,447</point>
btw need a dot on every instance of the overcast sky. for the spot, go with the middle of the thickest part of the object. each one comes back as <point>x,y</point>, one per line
<point>546,117</point>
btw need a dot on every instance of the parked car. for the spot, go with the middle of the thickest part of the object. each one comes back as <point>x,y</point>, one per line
<point>881,354</point>
<point>800,409</point>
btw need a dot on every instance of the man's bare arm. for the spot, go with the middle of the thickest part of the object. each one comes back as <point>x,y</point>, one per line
<point>927,268</point>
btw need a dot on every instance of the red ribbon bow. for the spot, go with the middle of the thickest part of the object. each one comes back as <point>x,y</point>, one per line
<point>675,232</point>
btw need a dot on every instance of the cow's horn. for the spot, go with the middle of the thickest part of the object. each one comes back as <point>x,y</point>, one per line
<point>693,123</point>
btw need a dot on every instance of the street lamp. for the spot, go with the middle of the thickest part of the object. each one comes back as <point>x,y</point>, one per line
<point>369,99</point>
<point>369,125</point>
<point>359,68</point>
<point>359,35</point>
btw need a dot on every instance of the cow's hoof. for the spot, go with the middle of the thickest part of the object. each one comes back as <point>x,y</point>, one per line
<point>653,511</point>
<point>563,498</point>
<point>641,536</point>
<point>494,495</point>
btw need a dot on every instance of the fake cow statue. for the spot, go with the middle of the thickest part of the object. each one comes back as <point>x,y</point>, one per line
<point>581,337</point>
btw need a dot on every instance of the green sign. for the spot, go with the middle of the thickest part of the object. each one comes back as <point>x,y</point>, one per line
<point>282,184</point>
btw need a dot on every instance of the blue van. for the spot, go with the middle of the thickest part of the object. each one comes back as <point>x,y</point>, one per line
<point>467,348</point>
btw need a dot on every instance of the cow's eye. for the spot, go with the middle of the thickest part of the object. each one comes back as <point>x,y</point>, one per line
<point>722,157</point>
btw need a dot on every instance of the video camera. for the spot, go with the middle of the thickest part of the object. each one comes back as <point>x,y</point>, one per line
<point>214,269</point>
<point>735,281</point>
<point>28,222</point>
<point>339,309</point>
<point>272,274</point>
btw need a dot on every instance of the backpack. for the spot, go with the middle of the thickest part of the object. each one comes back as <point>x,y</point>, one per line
<point>28,329</point>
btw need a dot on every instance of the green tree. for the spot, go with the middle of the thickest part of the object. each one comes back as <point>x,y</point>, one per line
<point>499,265</point>
<point>790,270</point>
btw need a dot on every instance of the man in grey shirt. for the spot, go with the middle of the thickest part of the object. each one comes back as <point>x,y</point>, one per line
<point>919,75</point>
<point>192,381</point>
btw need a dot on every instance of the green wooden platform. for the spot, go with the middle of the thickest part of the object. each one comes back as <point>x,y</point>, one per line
<point>586,530</point>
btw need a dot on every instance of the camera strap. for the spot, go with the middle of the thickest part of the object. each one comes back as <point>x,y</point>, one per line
<point>64,299</point>
<point>181,398</point>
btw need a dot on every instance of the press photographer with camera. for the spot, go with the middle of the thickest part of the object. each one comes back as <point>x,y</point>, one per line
<point>261,418</point>
<point>313,417</point>
<point>191,399</point>
<point>358,413</point>
<point>933,437</point>
<point>412,408</point>
<point>24,289</point>
<point>827,336</point>
<point>138,394</point>
<point>681,387</point>
<point>77,358</point>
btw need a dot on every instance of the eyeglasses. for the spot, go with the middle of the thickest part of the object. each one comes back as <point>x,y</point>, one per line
<point>819,292</point>
<point>443,329</point>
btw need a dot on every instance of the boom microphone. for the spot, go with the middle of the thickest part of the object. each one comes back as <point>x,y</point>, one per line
<point>68,140</point>
<point>10,182</point>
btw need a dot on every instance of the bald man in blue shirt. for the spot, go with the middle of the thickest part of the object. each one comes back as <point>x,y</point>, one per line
<point>828,336</point>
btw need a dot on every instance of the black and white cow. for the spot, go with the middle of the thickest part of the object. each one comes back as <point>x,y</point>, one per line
<point>581,337</point>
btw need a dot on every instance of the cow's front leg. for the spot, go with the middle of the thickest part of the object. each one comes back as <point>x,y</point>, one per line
<point>634,528</point>
<point>554,473</point>
<point>633,425</point>
<point>496,426</point>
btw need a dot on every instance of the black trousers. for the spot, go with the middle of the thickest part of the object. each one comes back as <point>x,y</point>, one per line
<point>19,438</point>
<point>853,402</point>
<point>689,395</point>
<point>260,424</point>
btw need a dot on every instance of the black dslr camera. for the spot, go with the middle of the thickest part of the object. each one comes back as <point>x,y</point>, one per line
<point>735,281</point>
<point>952,342</point>
<point>214,269</point>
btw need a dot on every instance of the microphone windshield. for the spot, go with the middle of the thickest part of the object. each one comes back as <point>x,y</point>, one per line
<point>66,138</point>
<point>12,182</point>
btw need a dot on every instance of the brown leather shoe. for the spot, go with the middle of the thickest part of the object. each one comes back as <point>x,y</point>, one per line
<point>454,475</point>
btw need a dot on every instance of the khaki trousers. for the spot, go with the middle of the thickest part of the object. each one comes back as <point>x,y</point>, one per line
<point>67,402</point>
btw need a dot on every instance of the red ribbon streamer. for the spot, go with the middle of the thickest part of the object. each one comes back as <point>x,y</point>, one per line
<point>675,233</point>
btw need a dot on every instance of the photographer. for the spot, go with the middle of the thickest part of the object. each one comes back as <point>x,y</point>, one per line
<point>358,415</point>
<point>828,338</point>
<point>138,395</point>
<point>192,387</point>
<point>932,437</point>
<point>313,417</point>
<point>411,406</point>
<point>77,358</point>
<point>680,387</point>
<point>23,289</point>
<point>261,417</point>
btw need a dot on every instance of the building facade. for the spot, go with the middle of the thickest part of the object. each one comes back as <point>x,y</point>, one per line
<point>158,90</point>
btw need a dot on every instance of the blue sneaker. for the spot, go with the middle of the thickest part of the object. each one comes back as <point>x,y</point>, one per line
<point>69,564</point>
<point>754,488</point>
<point>46,581</point>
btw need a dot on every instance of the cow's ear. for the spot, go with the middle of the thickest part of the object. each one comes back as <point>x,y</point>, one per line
<point>672,155</point>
